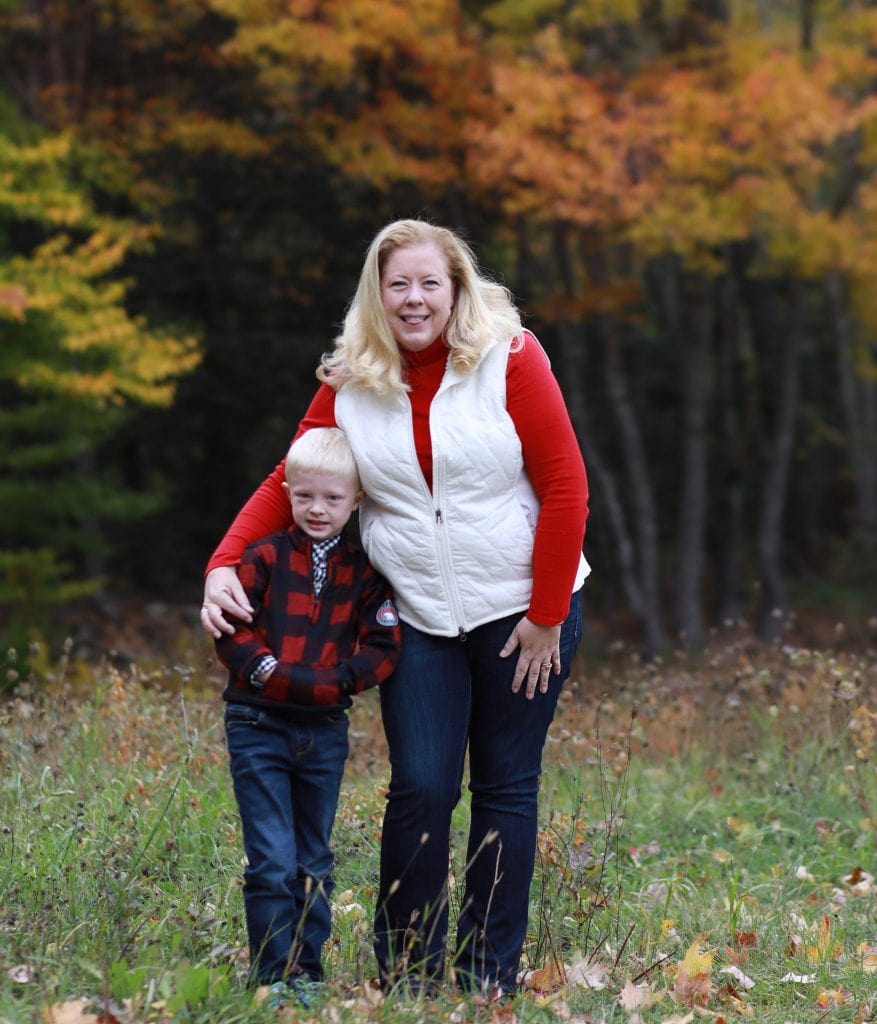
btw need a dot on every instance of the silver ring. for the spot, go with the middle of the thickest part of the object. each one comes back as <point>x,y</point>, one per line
<point>546,664</point>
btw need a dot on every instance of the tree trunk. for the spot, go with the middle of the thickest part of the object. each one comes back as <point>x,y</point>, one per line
<point>687,317</point>
<point>572,376</point>
<point>695,344</point>
<point>774,612</point>
<point>808,13</point>
<point>731,457</point>
<point>636,468</point>
<point>602,482</point>
<point>859,399</point>
<point>641,589</point>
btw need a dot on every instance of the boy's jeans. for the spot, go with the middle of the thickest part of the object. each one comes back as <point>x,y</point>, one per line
<point>287,776</point>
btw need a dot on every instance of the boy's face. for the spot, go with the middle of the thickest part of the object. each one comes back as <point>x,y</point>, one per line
<point>321,502</point>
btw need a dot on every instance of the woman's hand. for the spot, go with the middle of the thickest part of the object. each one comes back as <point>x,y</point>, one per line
<point>223,593</point>
<point>539,655</point>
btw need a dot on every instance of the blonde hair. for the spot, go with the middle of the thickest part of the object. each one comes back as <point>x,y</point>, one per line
<point>366,353</point>
<point>323,450</point>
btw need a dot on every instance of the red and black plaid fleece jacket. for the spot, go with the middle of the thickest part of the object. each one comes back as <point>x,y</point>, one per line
<point>327,647</point>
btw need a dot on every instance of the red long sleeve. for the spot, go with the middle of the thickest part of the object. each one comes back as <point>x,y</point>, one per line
<point>551,457</point>
<point>554,464</point>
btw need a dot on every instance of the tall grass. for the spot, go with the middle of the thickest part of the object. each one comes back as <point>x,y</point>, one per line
<point>734,813</point>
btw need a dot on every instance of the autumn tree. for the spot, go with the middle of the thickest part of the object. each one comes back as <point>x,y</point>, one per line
<point>680,193</point>
<point>73,363</point>
<point>683,216</point>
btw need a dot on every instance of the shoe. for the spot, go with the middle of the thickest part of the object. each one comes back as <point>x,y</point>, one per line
<point>278,995</point>
<point>305,991</point>
<point>300,989</point>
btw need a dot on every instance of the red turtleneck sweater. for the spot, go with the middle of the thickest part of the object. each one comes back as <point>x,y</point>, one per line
<point>551,457</point>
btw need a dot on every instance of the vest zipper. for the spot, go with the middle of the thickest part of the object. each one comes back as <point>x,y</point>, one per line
<point>443,543</point>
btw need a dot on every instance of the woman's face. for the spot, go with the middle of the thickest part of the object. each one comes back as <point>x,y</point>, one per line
<point>418,295</point>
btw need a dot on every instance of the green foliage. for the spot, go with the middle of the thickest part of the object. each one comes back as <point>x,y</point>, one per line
<point>73,362</point>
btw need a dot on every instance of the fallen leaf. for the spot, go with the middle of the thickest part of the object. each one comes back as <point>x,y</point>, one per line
<point>693,984</point>
<point>549,978</point>
<point>831,998</point>
<point>744,1009</point>
<point>503,1014</point>
<point>348,910</point>
<point>691,989</point>
<point>740,825</point>
<point>868,955</point>
<point>798,979</point>
<point>859,881</point>
<point>73,1012</point>
<point>824,949</point>
<point>588,975</point>
<point>22,974</point>
<point>656,892</point>
<point>696,959</point>
<point>863,1015</point>
<point>366,999</point>
<point>738,976</point>
<point>634,997</point>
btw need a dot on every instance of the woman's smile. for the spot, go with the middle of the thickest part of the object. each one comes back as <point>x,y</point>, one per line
<point>417,295</point>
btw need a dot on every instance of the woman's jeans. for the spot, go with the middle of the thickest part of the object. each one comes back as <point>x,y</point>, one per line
<point>287,777</point>
<point>447,694</point>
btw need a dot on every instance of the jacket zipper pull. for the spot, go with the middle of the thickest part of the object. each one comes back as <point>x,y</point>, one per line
<point>438,517</point>
<point>462,635</point>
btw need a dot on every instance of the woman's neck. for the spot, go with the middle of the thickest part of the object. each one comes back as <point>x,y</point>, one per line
<point>431,354</point>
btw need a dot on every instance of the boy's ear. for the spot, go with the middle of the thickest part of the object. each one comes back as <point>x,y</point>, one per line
<point>358,500</point>
<point>285,486</point>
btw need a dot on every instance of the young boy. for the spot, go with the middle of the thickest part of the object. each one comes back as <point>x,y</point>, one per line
<point>324,627</point>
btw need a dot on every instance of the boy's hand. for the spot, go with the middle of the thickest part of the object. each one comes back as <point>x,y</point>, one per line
<point>223,594</point>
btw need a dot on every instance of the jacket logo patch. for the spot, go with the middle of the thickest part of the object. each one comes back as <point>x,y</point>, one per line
<point>387,615</point>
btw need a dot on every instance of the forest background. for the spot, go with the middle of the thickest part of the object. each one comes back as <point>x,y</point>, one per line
<point>681,194</point>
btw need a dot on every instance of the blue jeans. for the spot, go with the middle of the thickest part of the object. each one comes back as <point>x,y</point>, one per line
<point>287,777</point>
<point>447,695</point>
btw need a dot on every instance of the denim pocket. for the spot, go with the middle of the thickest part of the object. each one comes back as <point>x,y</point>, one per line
<point>338,719</point>
<point>242,715</point>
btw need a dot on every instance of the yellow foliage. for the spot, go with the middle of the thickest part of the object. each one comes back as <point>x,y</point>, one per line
<point>697,960</point>
<point>73,334</point>
<point>826,948</point>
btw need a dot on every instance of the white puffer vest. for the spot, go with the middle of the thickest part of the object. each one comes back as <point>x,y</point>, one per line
<point>462,555</point>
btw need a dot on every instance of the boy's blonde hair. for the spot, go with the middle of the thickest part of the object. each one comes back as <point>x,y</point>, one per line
<point>323,450</point>
<point>366,352</point>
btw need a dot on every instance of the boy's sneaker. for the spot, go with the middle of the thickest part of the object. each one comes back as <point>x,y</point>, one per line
<point>278,995</point>
<point>305,991</point>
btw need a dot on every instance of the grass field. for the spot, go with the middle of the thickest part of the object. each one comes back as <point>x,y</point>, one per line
<point>707,850</point>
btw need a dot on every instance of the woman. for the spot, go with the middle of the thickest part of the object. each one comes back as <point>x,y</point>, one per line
<point>476,507</point>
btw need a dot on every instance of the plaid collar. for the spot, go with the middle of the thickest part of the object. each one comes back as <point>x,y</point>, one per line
<point>320,558</point>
